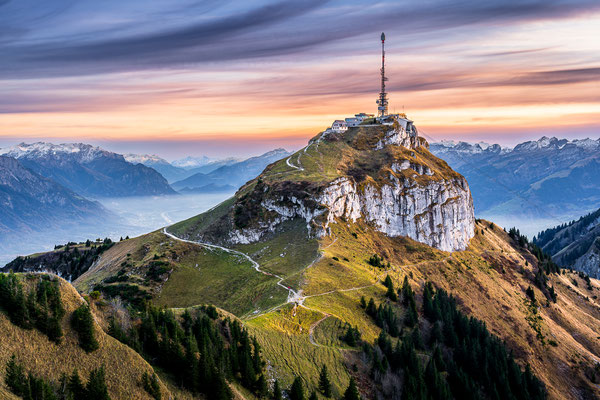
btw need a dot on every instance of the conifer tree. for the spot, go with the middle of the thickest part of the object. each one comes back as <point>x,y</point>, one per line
<point>388,282</point>
<point>151,385</point>
<point>96,387</point>
<point>351,392</point>
<point>83,322</point>
<point>261,386</point>
<point>324,383</point>
<point>391,293</point>
<point>277,391</point>
<point>297,390</point>
<point>15,376</point>
<point>76,387</point>
<point>313,396</point>
<point>371,307</point>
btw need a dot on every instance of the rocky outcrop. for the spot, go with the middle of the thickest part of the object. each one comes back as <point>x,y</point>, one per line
<point>439,214</point>
<point>436,210</point>
<point>380,175</point>
<point>590,261</point>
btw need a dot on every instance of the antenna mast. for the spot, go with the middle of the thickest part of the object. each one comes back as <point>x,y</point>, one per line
<point>382,102</point>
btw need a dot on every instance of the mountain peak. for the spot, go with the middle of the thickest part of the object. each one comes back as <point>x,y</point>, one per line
<point>379,174</point>
<point>85,152</point>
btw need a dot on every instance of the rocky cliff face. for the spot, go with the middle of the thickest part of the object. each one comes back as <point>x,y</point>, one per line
<point>380,175</point>
<point>439,214</point>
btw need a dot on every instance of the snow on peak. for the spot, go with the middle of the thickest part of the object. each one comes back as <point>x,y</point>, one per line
<point>144,159</point>
<point>192,162</point>
<point>84,152</point>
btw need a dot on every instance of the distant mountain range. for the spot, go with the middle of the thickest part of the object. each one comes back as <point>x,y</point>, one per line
<point>550,177</point>
<point>575,245</point>
<point>30,202</point>
<point>179,169</point>
<point>89,171</point>
<point>190,162</point>
<point>233,175</point>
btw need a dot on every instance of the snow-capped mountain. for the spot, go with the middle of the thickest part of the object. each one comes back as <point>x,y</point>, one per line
<point>89,170</point>
<point>192,162</point>
<point>170,172</point>
<point>548,177</point>
<point>146,159</point>
<point>80,151</point>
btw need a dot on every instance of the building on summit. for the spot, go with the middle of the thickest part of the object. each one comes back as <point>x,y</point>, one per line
<point>399,122</point>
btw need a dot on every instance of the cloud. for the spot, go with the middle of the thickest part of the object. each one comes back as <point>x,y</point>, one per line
<point>262,31</point>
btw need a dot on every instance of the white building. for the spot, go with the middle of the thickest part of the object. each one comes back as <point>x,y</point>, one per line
<point>339,126</point>
<point>352,122</point>
<point>362,116</point>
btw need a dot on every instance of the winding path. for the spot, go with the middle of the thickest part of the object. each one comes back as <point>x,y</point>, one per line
<point>293,296</point>
<point>299,168</point>
<point>311,330</point>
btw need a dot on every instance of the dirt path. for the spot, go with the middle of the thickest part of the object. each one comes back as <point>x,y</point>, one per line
<point>293,296</point>
<point>287,161</point>
<point>311,330</point>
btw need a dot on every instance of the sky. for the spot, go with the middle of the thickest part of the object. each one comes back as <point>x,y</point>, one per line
<point>237,78</point>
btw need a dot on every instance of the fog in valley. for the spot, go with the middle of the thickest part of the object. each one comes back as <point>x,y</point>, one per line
<point>132,216</point>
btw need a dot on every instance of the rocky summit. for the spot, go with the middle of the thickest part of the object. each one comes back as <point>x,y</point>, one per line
<point>381,174</point>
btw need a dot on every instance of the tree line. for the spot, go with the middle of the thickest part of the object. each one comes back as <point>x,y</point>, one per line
<point>201,351</point>
<point>40,308</point>
<point>68,261</point>
<point>30,386</point>
<point>455,357</point>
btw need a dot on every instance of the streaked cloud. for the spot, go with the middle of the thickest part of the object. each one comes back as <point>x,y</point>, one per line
<point>157,70</point>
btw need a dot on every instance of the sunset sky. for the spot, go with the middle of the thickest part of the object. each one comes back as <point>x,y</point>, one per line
<point>242,77</point>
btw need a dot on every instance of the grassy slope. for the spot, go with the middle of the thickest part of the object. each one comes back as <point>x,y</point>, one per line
<point>124,367</point>
<point>489,278</point>
<point>199,275</point>
<point>476,277</point>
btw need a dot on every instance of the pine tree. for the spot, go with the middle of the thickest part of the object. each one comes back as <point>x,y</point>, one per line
<point>256,355</point>
<point>96,387</point>
<point>261,386</point>
<point>15,377</point>
<point>313,396</point>
<point>324,383</point>
<point>349,337</point>
<point>408,296</point>
<point>363,302</point>
<point>75,387</point>
<point>371,307</point>
<point>83,322</point>
<point>277,391</point>
<point>151,385</point>
<point>388,282</point>
<point>296,391</point>
<point>391,293</point>
<point>54,330</point>
<point>351,392</point>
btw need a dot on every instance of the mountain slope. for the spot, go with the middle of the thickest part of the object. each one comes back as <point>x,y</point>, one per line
<point>235,174</point>
<point>88,170</point>
<point>45,358</point>
<point>294,251</point>
<point>30,202</point>
<point>549,178</point>
<point>489,278</point>
<point>576,244</point>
